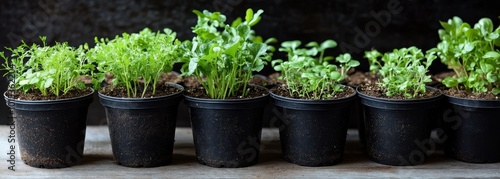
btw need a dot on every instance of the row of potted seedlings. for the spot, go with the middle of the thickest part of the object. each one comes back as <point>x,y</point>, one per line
<point>50,98</point>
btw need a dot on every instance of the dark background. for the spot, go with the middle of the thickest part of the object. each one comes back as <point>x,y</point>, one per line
<point>351,23</point>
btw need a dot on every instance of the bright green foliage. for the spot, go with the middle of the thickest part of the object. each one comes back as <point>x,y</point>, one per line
<point>136,60</point>
<point>310,76</point>
<point>49,69</point>
<point>402,71</point>
<point>224,56</point>
<point>472,52</point>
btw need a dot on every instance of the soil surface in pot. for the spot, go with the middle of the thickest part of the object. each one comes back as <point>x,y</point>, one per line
<point>462,93</point>
<point>199,92</point>
<point>192,81</point>
<point>162,89</point>
<point>281,90</point>
<point>275,78</point>
<point>261,81</point>
<point>174,77</point>
<point>376,91</point>
<point>361,78</point>
<point>358,78</point>
<point>34,95</point>
<point>439,77</point>
<point>170,77</point>
<point>189,81</point>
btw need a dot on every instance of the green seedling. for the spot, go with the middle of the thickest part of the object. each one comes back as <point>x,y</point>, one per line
<point>136,61</point>
<point>53,69</point>
<point>224,56</point>
<point>402,71</point>
<point>308,72</point>
<point>472,52</point>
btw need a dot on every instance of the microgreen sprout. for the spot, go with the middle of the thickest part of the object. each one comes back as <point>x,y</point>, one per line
<point>403,72</point>
<point>472,53</point>
<point>136,60</point>
<point>308,72</point>
<point>48,69</point>
<point>223,56</point>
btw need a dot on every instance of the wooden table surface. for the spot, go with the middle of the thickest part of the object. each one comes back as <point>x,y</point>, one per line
<point>98,162</point>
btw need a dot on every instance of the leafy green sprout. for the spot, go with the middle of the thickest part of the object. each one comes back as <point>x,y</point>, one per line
<point>308,72</point>
<point>402,71</point>
<point>53,69</point>
<point>472,53</point>
<point>223,56</point>
<point>136,60</point>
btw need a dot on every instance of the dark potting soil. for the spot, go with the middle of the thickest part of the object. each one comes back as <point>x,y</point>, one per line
<point>462,93</point>
<point>192,81</point>
<point>34,95</point>
<point>359,78</point>
<point>274,77</point>
<point>283,91</point>
<point>375,91</point>
<point>261,80</point>
<point>439,77</point>
<point>199,92</point>
<point>170,77</point>
<point>189,81</point>
<point>161,90</point>
<point>174,77</point>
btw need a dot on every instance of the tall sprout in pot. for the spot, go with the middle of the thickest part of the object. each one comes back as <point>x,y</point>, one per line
<point>50,102</point>
<point>314,106</point>
<point>225,111</point>
<point>471,119</point>
<point>141,112</point>
<point>399,110</point>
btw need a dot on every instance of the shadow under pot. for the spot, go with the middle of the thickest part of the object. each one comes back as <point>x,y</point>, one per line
<point>471,128</point>
<point>51,134</point>
<point>394,129</point>
<point>313,132</point>
<point>142,130</point>
<point>227,133</point>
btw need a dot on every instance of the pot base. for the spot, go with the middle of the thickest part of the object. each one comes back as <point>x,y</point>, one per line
<point>225,164</point>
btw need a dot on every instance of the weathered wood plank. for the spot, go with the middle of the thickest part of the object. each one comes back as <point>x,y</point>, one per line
<point>98,162</point>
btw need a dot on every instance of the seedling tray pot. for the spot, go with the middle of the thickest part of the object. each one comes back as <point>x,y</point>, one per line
<point>471,127</point>
<point>51,134</point>
<point>396,129</point>
<point>142,130</point>
<point>226,133</point>
<point>313,132</point>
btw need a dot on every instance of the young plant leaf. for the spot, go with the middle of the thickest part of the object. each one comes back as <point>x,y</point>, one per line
<point>307,72</point>
<point>224,60</point>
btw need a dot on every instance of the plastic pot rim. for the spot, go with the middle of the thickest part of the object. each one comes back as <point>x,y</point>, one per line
<point>45,102</point>
<point>399,101</point>
<point>122,99</point>
<point>312,105</point>
<point>309,101</point>
<point>472,103</point>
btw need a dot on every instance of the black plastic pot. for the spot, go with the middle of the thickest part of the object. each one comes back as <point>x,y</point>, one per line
<point>227,133</point>
<point>396,130</point>
<point>471,128</point>
<point>313,132</point>
<point>142,130</point>
<point>357,115</point>
<point>51,134</point>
